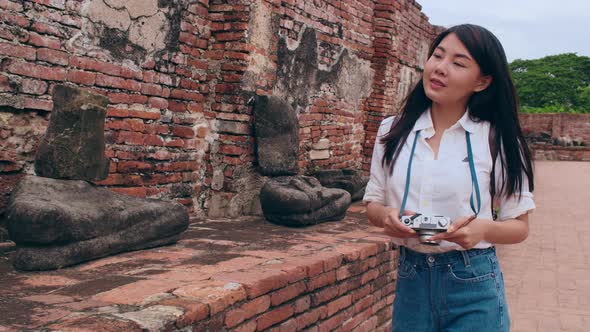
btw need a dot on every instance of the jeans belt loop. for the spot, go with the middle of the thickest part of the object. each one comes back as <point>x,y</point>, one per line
<point>402,254</point>
<point>465,258</point>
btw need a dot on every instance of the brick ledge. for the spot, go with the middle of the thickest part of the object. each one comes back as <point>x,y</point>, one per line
<point>224,275</point>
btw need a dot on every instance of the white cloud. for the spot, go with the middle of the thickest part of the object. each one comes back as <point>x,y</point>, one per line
<point>527,28</point>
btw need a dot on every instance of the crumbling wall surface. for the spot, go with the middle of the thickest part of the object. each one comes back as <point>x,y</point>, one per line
<point>342,65</point>
<point>181,76</point>
<point>402,38</point>
<point>146,56</point>
<point>314,55</point>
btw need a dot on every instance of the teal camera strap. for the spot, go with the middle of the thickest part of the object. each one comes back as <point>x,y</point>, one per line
<point>474,182</point>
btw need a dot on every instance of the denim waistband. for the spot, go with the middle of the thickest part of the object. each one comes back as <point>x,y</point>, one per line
<point>445,258</point>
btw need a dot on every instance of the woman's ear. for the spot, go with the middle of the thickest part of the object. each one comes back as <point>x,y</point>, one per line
<point>483,83</point>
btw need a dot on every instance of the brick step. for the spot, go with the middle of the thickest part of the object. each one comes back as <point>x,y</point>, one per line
<point>223,275</point>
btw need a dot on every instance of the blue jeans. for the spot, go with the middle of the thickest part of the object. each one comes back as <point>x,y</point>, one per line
<point>452,292</point>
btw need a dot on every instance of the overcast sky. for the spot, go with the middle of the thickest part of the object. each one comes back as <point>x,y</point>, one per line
<point>528,29</point>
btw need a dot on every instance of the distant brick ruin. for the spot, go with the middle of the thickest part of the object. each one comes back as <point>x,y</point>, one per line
<point>180,77</point>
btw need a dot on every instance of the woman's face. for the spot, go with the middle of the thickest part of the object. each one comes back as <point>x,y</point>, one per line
<point>451,75</point>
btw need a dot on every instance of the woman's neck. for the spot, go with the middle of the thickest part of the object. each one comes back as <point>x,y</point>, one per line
<point>443,117</point>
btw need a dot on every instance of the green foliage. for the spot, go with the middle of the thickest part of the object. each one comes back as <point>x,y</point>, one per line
<point>552,109</point>
<point>553,84</point>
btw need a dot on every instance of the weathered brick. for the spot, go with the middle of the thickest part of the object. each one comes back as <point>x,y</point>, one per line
<point>117,82</point>
<point>321,280</point>
<point>37,71</point>
<point>324,295</point>
<point>133,191</point>
<point>159,103</point>
<point>288,293</point>
<point>183,131</point>
<point>18,51</point>
<point>233,127</point>
<point>256,282</point>
<point>15,6</point>
<point>274,316</point>
<point>302,304</point>
<point>44,41</point>
<point>218,295</point>
<point>334,321</point>
<point>14,19</point>
<point>247,310</point>
<point>53,56</point>
<point>5,86</point>
<point>186,95</point>
<point>38,104</point>
<point>311,317</point>
<point>34,87</point>
<point>338,304</point>
<point>81,77</point>
<point>124,98</point>
<point>369,275</point>
<point>193,311</point>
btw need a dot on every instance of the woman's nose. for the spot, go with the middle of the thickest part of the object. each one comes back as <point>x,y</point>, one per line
<point>441,68</point>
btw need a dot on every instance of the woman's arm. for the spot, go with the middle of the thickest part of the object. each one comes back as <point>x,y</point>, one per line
<point>376,213</point>
<point>508,231</point>
<point>388,218</point>
<point>467,234</point>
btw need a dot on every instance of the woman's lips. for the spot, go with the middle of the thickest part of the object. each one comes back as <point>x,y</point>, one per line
<point>436,84</point>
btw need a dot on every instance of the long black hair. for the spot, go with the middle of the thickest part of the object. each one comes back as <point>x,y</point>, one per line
<point>497,104</point>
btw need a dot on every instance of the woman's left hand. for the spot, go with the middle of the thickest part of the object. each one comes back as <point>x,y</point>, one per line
<point>465,231</point>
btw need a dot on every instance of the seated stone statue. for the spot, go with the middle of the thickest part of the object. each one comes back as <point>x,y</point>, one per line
<point>58,218</point>
<point>56,223</point>
<point>350,180</point>
<point>301,201</point>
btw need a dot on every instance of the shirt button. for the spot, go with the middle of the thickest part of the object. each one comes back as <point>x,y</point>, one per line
<point>430,259</point>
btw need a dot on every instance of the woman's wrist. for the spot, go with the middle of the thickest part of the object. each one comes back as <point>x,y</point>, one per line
<point>488,228</point>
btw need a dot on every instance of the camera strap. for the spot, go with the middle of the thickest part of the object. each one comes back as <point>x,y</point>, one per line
<point>474,182</point>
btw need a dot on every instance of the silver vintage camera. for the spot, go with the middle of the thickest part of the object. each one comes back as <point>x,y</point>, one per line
<point>427,226</point>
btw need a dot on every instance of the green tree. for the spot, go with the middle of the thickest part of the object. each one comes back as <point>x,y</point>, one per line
<point>558,80</point>
<point>583,98</point>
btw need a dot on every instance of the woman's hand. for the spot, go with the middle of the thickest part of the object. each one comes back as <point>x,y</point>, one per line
<point>465,231</point>
<point>394,227</point>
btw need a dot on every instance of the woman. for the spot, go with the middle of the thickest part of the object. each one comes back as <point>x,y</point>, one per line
<point>456,145</point>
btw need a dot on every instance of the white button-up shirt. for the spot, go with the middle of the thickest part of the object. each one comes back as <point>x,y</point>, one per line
<point>442,186</point>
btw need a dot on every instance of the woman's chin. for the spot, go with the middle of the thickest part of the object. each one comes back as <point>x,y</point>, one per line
<point>434,97</point>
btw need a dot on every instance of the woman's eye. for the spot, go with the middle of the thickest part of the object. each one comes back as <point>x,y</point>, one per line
<point>459,64</point>
<point>437,56</point>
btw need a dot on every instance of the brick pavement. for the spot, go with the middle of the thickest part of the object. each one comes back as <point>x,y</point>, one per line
<point>548,276</point>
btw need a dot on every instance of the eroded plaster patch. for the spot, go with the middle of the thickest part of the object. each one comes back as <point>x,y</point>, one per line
<point>127,29</point>
<point>263,26</point>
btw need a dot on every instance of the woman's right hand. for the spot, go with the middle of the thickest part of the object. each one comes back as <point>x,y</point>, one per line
<point>394,227</point>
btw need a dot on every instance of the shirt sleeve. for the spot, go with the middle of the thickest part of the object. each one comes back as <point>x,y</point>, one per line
<point>375,190</point>
<point>513,206</point>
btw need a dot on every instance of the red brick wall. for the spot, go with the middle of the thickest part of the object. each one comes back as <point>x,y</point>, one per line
<point>179,123</point>
<point>559,126</point>
<point>157,131</point>
<point>333,292</point>
<point>402,37</point>
<point>573,126</point>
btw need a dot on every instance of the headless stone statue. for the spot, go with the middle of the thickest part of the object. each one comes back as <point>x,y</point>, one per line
<point>59,219</point>
<point>301,201</point>
<point>350,180</point>
<point>290,200</point>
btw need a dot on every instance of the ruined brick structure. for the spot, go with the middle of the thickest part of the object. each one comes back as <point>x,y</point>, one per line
<point>558,136</point>
<point>179,76</point>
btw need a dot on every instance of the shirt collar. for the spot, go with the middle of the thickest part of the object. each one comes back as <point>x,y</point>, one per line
<point>425,122</point>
